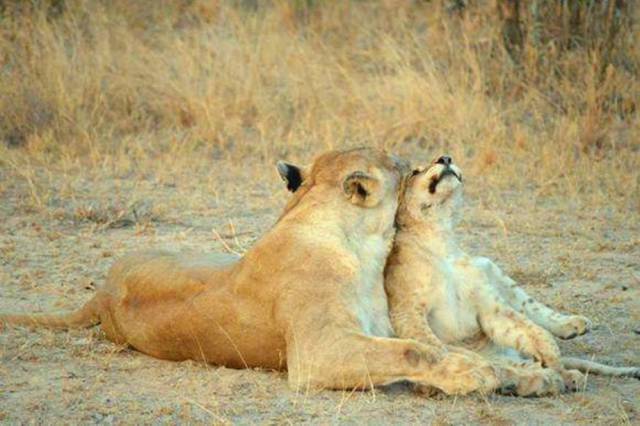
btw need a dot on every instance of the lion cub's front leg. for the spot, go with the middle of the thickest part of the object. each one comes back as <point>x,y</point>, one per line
<point>408,319</point>
<point>409,322</point>
<point>408,301</point>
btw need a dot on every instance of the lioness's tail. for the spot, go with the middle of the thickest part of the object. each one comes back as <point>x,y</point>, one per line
<point>86,316</point>
<point>596,368</point>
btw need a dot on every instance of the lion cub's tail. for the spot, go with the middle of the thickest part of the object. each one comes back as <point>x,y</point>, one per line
<point>86,316</point>
<point>596,368</point>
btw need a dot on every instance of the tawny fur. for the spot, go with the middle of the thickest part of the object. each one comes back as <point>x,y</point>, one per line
<point>308,297</point>
<point>449,300</point>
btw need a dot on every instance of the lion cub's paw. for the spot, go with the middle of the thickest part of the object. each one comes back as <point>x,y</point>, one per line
<point>573,380</point>
<point>572,326</point>
<point>542,382</point>
<point>435,354</point>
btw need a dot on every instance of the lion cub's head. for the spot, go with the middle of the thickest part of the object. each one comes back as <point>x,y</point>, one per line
<point>432,192</point>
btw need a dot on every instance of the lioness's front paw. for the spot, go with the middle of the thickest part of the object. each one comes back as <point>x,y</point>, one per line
<point>459,374</point>
<point>572,326</point>
<point>466,383</point>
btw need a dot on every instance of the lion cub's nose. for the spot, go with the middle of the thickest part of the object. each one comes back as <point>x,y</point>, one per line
<point>445,159</point>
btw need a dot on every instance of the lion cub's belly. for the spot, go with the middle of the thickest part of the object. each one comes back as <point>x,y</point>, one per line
<point>452,316</point>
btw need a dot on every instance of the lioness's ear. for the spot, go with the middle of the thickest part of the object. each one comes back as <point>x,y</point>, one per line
<point>362,189</point>
<point>291,174</point>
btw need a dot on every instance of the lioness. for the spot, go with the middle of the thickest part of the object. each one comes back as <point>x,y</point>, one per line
<point>441,296</point>
<point>308,297</point>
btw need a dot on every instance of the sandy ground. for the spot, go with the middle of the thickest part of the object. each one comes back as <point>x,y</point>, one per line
<point>53,253</point>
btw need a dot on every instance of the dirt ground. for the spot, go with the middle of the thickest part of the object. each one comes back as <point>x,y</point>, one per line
<point>573,257</point>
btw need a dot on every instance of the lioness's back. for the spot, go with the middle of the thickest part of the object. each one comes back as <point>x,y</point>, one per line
<point>155,275</point>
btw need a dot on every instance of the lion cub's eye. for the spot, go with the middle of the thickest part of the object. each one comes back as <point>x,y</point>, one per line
<point>415,172</point>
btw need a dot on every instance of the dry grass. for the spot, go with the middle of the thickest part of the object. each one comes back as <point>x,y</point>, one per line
<point>126,125</point>
<point>114,85</point>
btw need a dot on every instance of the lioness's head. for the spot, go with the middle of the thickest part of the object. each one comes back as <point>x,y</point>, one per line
<point>434,190</point>
<point>363,177</point>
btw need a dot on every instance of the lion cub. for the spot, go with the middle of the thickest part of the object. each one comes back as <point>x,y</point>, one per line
<point>439,295</point>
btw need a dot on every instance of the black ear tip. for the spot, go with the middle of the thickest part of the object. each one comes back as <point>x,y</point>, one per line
<point>290,174</point>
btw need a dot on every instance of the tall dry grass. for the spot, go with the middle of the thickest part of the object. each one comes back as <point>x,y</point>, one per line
<point>129,84</point>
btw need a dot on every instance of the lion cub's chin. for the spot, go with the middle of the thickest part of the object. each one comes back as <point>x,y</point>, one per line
<point>444,204</point>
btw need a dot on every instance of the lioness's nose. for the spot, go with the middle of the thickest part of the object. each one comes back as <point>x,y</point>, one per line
<point>445,159</point>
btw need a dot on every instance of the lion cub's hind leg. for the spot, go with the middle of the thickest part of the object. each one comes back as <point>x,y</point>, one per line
<point>560,325</point>
<point>529,379</point>
<point>517,376</point>
<point>511,329</point>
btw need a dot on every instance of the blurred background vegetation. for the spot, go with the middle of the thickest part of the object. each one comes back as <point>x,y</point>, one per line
<point>542,92</point>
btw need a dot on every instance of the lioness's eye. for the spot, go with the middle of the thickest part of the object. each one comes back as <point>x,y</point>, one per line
<point>415,172</point>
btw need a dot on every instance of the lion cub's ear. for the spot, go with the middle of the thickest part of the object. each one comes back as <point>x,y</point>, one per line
<point>362,189</point>
<point>292,175</point>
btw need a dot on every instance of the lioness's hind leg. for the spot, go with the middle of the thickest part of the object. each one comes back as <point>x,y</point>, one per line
<point>560,325</point>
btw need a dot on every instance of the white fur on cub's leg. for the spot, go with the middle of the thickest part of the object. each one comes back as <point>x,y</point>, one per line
<point>509,328</point>
<point>560,325</point>
<point>570,326</point>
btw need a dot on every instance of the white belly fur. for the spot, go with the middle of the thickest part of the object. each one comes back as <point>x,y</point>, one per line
<point>453,319</point>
